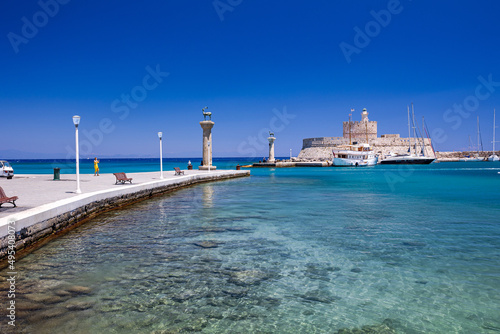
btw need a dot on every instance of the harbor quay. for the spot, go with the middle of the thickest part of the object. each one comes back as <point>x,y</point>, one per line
<point>47,207</point>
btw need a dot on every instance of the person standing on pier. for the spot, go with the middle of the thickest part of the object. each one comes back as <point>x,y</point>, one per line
<point>96,166</point>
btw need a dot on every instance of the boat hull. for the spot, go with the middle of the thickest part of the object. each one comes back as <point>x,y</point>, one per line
<point>407,161</point>
<point>341,162</point>
<point>493,157</point>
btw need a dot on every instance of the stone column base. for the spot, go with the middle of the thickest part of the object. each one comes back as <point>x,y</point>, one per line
<point>206,167</point>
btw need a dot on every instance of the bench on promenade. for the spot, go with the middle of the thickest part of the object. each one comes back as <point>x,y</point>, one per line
<point>4,199</point>
<point>122,178</point>
<point>178,171</point>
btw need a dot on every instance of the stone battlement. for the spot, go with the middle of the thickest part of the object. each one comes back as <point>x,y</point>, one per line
<point>360,130</point>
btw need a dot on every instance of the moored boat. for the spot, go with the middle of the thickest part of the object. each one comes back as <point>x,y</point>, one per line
<point>407,160</point>
<point>354,156</point>
<point>415,156</point>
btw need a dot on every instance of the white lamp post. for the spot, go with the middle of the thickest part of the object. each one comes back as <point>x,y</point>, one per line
<point>76,121</point>
<point>160,134</point>
<point>290,154</point>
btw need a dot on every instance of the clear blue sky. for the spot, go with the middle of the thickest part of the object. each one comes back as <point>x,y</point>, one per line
<point>248,61</point>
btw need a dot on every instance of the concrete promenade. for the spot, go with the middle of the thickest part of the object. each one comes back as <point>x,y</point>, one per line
<point>46,206</point>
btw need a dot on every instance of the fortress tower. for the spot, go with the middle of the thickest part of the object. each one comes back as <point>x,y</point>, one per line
<point>361,131</point>
<point>320,148</point>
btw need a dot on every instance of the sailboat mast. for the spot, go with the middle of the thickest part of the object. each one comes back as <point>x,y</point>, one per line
<point>414,131</point>
<point>422,136</point>
<point>409,131</point>
<point>494,131</point>
<point>478,136</point>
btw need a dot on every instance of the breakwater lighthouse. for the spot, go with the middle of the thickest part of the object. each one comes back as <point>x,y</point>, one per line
<point>207,126</point>
<point>271,147</point>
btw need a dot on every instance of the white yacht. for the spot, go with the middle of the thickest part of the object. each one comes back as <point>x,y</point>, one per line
<point>354,155</point>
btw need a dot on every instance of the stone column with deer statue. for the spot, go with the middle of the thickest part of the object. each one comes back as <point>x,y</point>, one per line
<point>207,126</point>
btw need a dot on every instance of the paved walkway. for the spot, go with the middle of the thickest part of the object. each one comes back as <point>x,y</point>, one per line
<point>36,190</point>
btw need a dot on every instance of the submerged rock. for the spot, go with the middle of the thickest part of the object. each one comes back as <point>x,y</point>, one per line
<point>247,277</point>
<point>52,313</point>
<point>414,244</point>
<point>78,306</point>
<point>77,289</point>
<point>236,293</point>
<point>211,230</point>
<point>196,325</point>
<point>206,244</point>
<point>43,298</point>
<point>386,327</point>
<point>239,229</point>
<point>183,296</point>
<point>319,296</point>
<point>62,293</point>
<point>28,306</point>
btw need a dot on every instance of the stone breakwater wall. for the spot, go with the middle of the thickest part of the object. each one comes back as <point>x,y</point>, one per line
<point>456,156</point>
<point>32,227</point>
<point>320,149</point>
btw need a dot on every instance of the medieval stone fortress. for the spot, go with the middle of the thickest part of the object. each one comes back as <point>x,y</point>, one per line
<point>364,131</point>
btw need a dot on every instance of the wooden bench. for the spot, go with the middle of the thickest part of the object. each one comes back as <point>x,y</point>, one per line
<point>4,199</point>
<point>178,171</point>
<point>122,178</point>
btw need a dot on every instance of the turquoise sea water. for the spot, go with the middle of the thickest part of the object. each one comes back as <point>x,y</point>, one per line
<point>390,249</point>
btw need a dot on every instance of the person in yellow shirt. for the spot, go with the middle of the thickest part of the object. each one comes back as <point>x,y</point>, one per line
<point>96,167</point>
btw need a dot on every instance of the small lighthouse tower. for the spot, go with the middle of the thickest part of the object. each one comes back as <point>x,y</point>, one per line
<point>364,115</point>
<point>271,147</point>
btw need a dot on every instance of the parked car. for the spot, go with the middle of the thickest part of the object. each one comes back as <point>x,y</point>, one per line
<point>6,169</point>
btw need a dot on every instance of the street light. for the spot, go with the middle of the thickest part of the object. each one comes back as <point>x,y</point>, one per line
<point>76,121</point>
<point>160,134</point>
<point>290,154</point>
